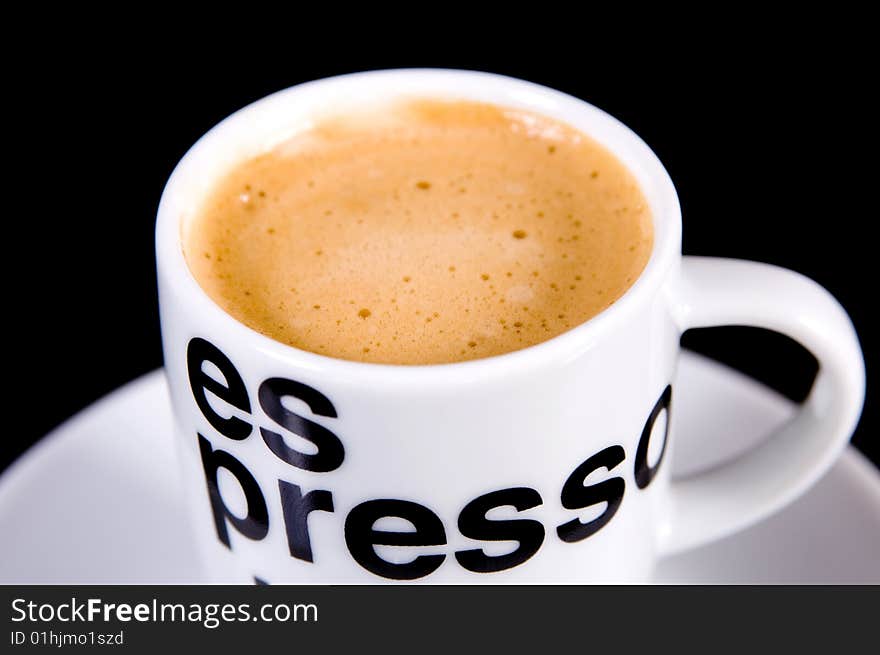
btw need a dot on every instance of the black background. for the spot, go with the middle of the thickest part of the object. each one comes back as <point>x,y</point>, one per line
<point>764,131</point>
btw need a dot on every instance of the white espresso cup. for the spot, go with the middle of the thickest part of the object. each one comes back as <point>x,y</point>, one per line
<point>543,465</point>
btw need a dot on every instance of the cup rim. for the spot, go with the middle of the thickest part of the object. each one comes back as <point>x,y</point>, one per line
<point>462,84</point>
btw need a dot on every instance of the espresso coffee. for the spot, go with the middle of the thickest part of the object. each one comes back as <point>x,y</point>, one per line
<point>422,232</point>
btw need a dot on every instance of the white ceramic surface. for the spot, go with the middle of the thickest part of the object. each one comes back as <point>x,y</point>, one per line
<point>97,501</point>
<point>545,463</point>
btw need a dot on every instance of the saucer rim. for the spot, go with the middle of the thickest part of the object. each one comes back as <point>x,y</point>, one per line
<point>853,467</point>
<point>857,463</point>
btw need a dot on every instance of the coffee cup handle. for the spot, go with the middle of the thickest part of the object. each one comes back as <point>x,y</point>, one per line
<point>715,292</point>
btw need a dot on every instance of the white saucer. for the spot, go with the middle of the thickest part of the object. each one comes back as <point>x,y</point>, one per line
<point>97,500</point>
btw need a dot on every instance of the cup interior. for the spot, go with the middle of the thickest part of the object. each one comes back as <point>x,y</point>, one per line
<point>274,119</point>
